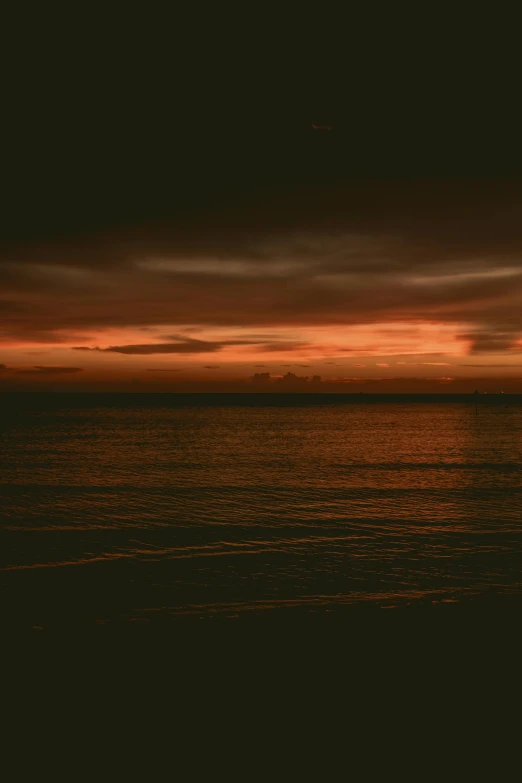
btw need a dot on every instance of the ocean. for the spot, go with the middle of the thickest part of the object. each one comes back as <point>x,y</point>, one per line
<point>119,509</point>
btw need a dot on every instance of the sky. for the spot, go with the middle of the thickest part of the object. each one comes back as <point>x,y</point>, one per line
<point>359,241</point>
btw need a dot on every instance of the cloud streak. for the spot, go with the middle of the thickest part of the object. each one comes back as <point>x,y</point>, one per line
<point>184,346</point>
<point>41,370</point>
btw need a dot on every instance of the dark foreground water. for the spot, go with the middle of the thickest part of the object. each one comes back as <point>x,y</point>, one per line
<point>113,512</point>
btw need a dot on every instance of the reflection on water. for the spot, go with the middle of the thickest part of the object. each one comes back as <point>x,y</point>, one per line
<point>112,513</point>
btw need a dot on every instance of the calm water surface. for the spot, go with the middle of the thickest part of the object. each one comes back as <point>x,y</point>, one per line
<point>117,514</point>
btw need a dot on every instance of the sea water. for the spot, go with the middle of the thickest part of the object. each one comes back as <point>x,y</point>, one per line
<point>123,512</point>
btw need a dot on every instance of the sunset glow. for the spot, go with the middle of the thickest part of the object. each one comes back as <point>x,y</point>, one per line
<point>350,284</point>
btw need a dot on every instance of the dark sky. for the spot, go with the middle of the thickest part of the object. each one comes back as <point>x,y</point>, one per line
<point>109,121</point>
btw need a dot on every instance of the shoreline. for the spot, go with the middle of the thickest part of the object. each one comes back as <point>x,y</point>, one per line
<point>502,611</point>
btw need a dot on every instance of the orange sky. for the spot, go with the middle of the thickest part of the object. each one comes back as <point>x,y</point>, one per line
<point>434,351</point>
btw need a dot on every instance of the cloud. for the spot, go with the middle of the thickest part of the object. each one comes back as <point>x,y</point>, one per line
<point>151,348</point>
<point>280,346</point>
<point>184,345</point>
<point>40,370</point>
<point>290,379</point>
<point>488,365</point>
<point>382,364</point>
<point>356,254</point>
<point>292,382</point>
<point>163,369</point>
<point>3,367</point>
<point>212,366</point>
<point>492,341</point>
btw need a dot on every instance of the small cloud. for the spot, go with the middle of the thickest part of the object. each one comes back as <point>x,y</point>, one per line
<point>3,367</point>
<point>436,364</point>
<point>292,378</point>
<point>270,347</point>
<point>445,380</point>
<point>289,379</point>
<point>358,365</point>
<point>40,370</point>
<point>487,365</point>
<point>164,369</point>
<point>382,364</point>
<point>259,365</point>
<point>261,338</point>
<point>211,366</point>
